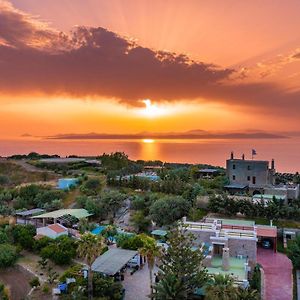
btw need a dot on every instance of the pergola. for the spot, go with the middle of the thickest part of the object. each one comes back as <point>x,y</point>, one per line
<point>112,261</point>
<point>63,214</point>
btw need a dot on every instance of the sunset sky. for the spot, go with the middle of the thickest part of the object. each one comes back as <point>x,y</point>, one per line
<point>127,66</point>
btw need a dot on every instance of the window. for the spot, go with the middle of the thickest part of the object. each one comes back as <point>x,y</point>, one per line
<point>233,167</point>
<point>248,178</point>
<point>233,177</point>
<point>249,168</point>
<point>254,180</point>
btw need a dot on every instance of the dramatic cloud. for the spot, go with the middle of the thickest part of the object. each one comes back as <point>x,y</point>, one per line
<point>192,134</point>
<point>98,63</point>
<point>297,55</point>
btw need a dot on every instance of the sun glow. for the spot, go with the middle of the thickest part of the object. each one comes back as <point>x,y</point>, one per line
<point>148,141</point>
<point>152,110</point>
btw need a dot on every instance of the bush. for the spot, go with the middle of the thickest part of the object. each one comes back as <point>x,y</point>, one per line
<point>255,282</point>
<point>34,282</point>
<point>169,209</point>
<point>8,255</point>
<point>46,289</point>
<point>130,242</point>
<point>3,292</point>
<point>23,235</point>
<point>61,251</point>
<point>41,243</point>
<point>106,287</point>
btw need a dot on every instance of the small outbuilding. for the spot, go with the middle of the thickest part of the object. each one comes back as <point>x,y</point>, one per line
<point>24,217</point>
<point>113,261</point>
<point>52,231</point>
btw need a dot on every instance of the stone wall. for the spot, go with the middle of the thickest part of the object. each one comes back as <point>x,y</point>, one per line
<point>202,236</point>
<point>243,247</point>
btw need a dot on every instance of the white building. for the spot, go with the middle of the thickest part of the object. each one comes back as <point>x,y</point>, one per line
<point>52,231</point>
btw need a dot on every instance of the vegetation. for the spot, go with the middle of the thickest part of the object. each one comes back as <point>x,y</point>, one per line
<point>150,250</point>
<point>89,248</point>
<point>12,174</point>
<point>130,242</point>
<point>8,255</point>
<point>182,271</point>
<point>221,287</point>
<point>275,209</point>
<point>104,205</point>
<point>23,235</point>
<point>34,282</point>
<point>169,209</point>
<point>293,252</point>
<point>3,292</point>
<point>61,250</point>
<point>255,281</point>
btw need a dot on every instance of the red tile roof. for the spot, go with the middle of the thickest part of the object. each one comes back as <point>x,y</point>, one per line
<point>57,228</point>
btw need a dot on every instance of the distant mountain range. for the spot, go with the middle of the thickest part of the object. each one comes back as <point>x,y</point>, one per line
<point>192,134</point>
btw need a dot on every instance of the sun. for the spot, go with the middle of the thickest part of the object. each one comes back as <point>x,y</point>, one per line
<point>152,110</point>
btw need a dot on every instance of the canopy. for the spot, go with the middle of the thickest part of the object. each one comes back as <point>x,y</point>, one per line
<point>159,232</point>
<point>30,212</point>
<point>77,213</point>
<point>113,260</point>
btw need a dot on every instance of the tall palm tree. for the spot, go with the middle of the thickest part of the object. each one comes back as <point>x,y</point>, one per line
<point>90,246</point>
<point>150,250</point>
<point>221,288</point>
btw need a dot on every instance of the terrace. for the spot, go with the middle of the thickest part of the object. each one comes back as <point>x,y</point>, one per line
<point>238,268</point>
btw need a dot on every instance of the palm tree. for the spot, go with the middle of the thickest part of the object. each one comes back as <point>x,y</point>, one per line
<point>247,294</point>
<point>169,288</point>
<point>221,288</point>
<point>150,250</point>
<point>90,246</point>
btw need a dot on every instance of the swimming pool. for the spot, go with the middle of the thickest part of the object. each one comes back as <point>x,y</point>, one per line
<point>98,230</point>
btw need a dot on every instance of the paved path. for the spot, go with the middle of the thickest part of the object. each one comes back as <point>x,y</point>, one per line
<point>298,284</point>
<point>278,274</point>
<point>137,286</point>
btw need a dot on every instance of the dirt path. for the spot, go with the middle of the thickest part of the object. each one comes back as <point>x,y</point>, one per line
<point>17,280</point>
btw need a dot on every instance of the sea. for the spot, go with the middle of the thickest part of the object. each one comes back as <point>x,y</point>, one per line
<point>285,152</point>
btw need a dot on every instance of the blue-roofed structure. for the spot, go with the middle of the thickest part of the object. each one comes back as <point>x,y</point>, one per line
<point>67,183</point>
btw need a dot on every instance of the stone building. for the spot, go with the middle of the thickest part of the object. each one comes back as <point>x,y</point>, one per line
<point>230,246</point>
<point>253,174</point>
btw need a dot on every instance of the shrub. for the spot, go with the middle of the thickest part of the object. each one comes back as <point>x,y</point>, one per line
<point>34,282</point>
<point>8,255</point>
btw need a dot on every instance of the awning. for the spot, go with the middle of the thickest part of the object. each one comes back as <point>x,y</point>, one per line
<point>266,231</point>
<point>77,213</point>
<point>112,261</point>
<point>30,212</point>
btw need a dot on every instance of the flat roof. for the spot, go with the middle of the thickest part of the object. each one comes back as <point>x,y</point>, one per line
<point>77,213</point>
<point>112,261</point>
<point>268,196</point>
<point>159,232</point>
<point>266,231</point>
<point>237,222</point>
<point>208,170</point>
<point>235,186</point>
<point>30,212</point>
